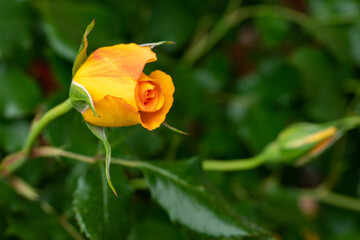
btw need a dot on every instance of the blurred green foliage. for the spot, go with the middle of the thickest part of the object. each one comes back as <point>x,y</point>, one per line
<point>243,71</point>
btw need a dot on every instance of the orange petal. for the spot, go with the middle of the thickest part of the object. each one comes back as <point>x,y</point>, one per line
<point>148,96</point>
<point>117,61</point>
<point>100,87</point>
<point>113,112</point>
<point>161,99</point>
<point>152,120</point>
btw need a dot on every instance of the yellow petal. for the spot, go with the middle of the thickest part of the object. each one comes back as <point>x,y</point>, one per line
<point>100,87</point>
<point>113,112</point>
<point>152,120</point>
<point>117,61</point>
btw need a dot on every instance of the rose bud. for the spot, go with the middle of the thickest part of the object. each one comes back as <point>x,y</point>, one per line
<point>122,95</point>
<point>304,141</point>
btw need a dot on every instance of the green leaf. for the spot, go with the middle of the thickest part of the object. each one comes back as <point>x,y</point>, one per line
<point>100,214</point>
<point>19,93</point>
<point>154,230</point>
<point>99,132</point>
<point>185,193</point>
<point>80,98</point>
<point>81,56</point>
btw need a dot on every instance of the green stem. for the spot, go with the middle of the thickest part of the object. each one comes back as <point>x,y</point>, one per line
<point>35,130</point>
<point>58,152</point>
<point>325,196</point>
<point>233,165</point>
<point>342,201</point>
<point>49,116</point>
<point>334,199</point>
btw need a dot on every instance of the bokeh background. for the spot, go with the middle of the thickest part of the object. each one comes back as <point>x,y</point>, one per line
<point>243,71</point>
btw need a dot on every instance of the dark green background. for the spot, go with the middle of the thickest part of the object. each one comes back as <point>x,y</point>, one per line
<point>283,62</point>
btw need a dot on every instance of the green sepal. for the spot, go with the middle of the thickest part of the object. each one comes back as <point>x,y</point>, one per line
<point>152,45</point>
<point>99,132</point>
<point>302,142</point>
<point>294,143</point>
<point>174,129</point>
<point>80,98</point>
<point>81,56</point>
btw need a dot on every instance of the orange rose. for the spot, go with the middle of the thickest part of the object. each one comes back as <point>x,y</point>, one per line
<point>122,94</point>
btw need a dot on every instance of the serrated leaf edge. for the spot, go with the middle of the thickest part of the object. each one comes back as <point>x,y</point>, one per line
<point>79,217</point>
<point>199,189</point>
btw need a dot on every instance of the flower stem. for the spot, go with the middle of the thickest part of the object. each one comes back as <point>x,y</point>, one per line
<point>233,165</point>
<point>11,164</point>
<point>58,152</point>
<point>320,194</point>
<point>49,116</point>
<point>333,199</point>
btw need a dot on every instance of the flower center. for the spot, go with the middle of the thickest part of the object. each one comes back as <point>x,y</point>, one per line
<point>148,96</point>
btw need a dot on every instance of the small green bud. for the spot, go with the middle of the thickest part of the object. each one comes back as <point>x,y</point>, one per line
<point>304,141</point>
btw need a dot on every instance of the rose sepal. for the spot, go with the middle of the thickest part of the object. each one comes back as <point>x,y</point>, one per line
<point>80,98</point>
<point>99,132</point>
<point>155,44</point>
<point>165,124</point>
<point>82,56</point>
